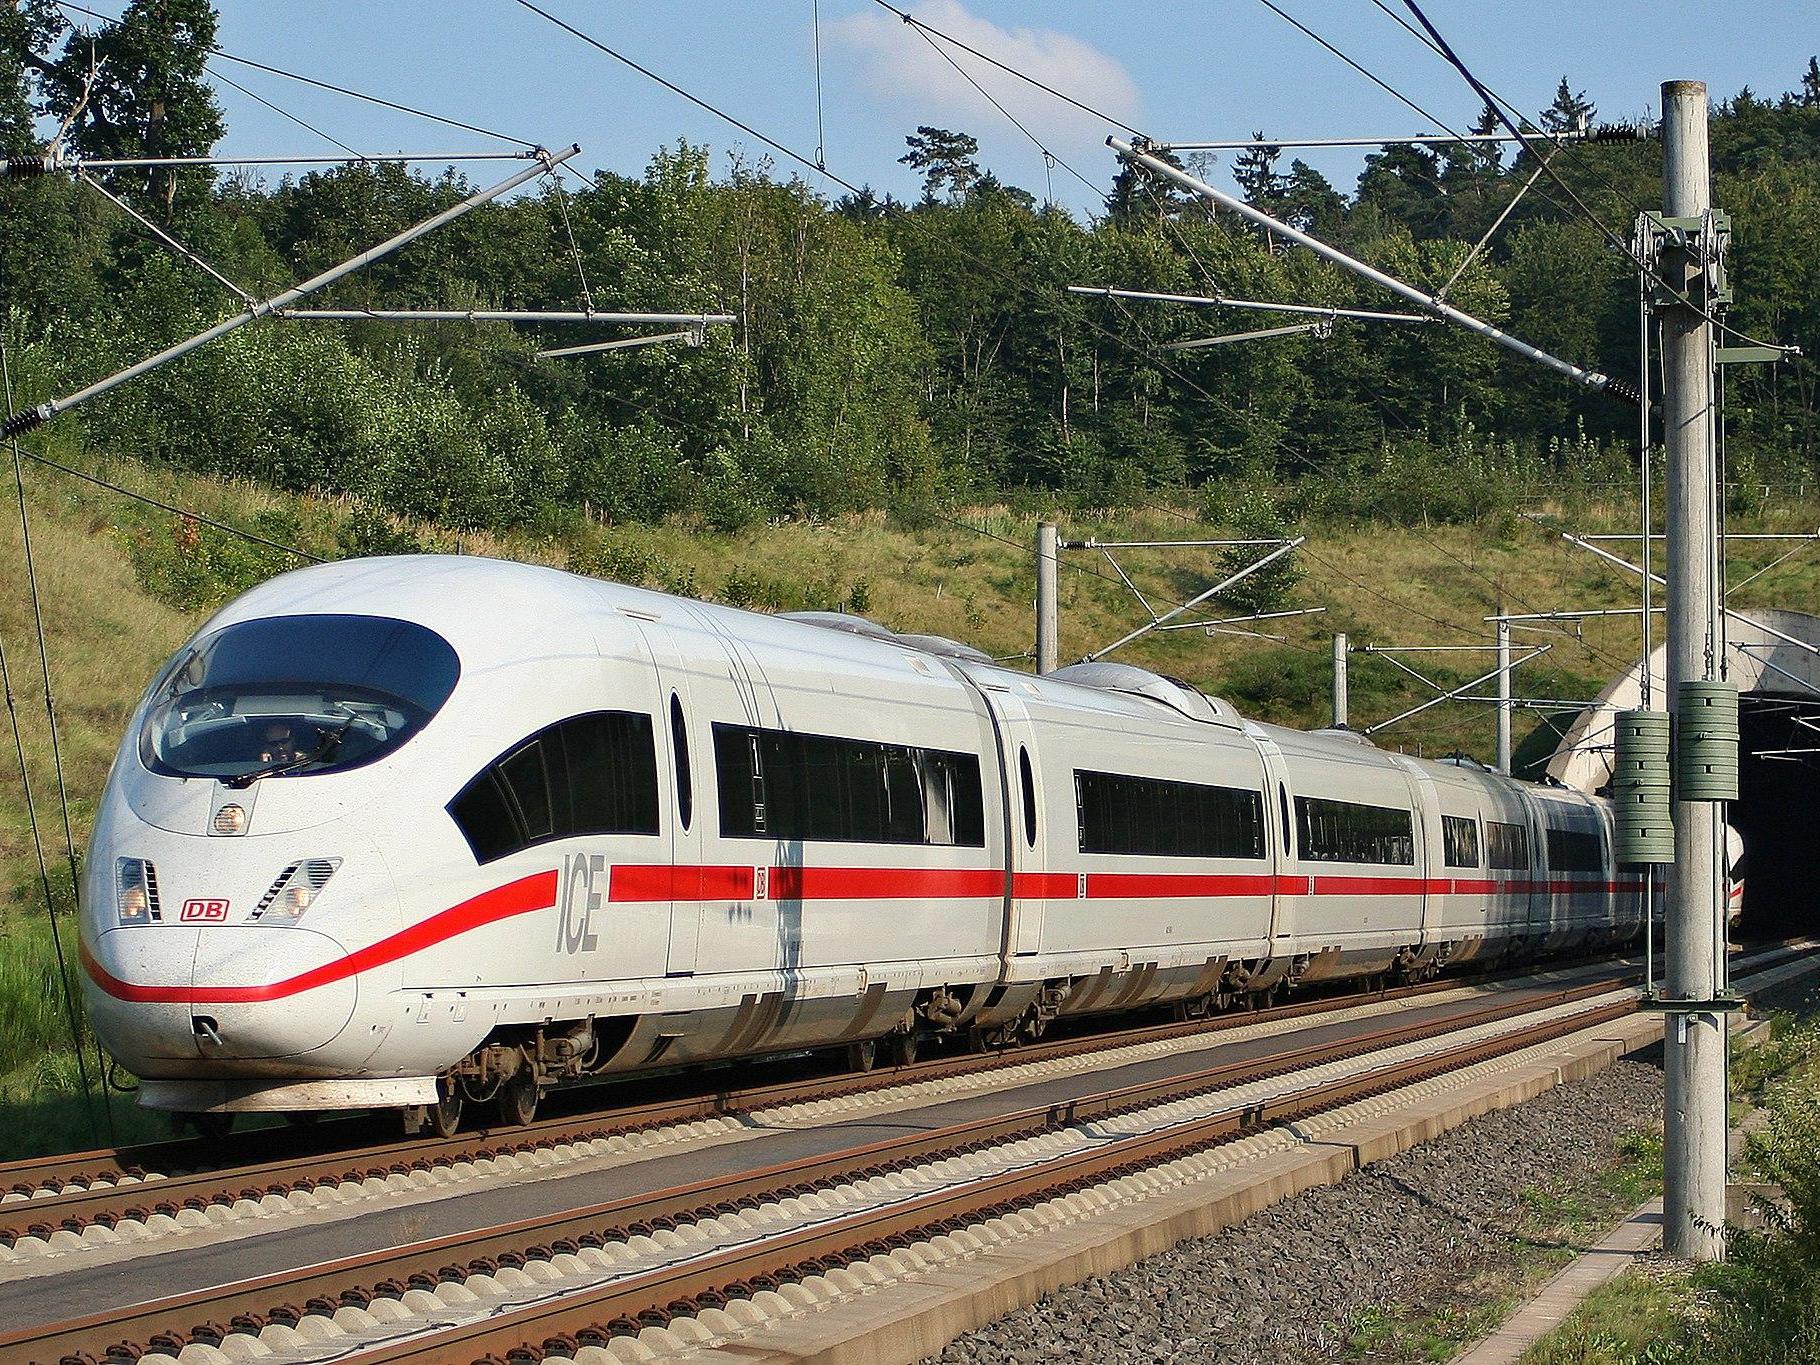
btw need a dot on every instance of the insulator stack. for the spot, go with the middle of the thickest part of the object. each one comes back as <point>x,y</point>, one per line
<point>1706,747</point>
<point>1640,789</point>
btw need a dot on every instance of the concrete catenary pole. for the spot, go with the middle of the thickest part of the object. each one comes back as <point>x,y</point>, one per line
<point>1504,696</point>
<point>1695,1115</point>
<point>1048,609</point>
<point>1341,706</point>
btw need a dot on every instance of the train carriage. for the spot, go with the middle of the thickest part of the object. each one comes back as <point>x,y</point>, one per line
<point>428,830</point>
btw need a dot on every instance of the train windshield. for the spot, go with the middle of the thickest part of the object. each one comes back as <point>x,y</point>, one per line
<point>290,695</point>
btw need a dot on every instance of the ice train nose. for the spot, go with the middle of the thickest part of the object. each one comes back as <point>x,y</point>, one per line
<point>163,993</point>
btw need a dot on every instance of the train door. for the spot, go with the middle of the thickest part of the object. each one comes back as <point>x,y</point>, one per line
<point>1431,862</point>
<point>1283,902</point>
<point>699,682</point>
<point>1540,906</point>
<point>1026,841</point>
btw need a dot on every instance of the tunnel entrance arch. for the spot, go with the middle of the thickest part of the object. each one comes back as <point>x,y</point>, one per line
<point>1771,655</point>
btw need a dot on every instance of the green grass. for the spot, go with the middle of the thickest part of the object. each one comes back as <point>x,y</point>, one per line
<point>1639,1318</point>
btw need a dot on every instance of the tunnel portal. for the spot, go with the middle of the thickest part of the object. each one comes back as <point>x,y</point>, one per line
<point>1774,657</point>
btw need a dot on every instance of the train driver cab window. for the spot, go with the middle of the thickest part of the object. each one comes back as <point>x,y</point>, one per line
<point>591,774</point>
<point>291,696</point>
<point>1460,840</point>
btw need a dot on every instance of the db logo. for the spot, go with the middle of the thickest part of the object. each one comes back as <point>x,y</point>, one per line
<point>203,910</point>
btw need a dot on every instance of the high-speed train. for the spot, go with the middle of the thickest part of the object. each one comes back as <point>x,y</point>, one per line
<point>413,832</point>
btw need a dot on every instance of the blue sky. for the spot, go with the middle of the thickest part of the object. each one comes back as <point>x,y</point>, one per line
<point>1211,70</point>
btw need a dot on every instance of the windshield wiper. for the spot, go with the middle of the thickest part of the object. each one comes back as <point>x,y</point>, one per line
<point>330,743</point>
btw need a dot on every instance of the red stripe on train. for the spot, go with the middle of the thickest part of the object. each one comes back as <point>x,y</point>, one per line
<point>527,894</point>
<point>882,883</point>
<point>1145,885</point>
<point>663,882</point>
<point>634,883</point>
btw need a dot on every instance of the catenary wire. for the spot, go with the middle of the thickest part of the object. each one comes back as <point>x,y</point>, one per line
<point>1612,239</point>
<point>150,501</point>
<point>645,71</point>
<point>1175,232</point>
<point>282,112</point>
<point>1151,341</point>
<point>1024,76</point>
<point>821,129</point>
<point>63,798</point>
<point>333,89</point>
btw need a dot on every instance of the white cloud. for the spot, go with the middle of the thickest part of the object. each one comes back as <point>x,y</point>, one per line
<point>900,65</point>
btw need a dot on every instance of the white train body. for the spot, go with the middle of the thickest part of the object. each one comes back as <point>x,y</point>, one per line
<point>511,818</point>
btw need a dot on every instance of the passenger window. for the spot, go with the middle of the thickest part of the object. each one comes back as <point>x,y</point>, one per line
<point>679,741</point>
<point>591,774</point>
<point>1158,817</point>
<point>1508,845</point>
<point>1028,784</point>
<point>486,819</point>
<point>528,780</point>
<point>1283,810</point>
<point>783,785</point>
<point>1353,832</point>
<point>1460,840</point>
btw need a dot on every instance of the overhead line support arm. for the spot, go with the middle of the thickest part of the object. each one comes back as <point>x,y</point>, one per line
<point>35,417</point>
<point>1591,379</point>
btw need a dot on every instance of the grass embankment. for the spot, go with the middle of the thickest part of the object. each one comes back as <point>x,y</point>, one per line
<point>1763,1306</point>
<point>122,584</point>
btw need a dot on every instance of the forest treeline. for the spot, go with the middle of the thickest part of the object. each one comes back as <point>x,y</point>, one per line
<point>887,353</point>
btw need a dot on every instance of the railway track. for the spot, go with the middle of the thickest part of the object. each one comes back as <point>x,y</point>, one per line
<point>638,1261</point>
<point>51,1202</point>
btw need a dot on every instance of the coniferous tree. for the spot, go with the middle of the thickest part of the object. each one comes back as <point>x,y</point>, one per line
<point>1255,169</point>
<point>1569,112</point>
<point>947,161</point>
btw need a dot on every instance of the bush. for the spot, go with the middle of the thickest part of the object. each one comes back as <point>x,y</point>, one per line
<point>1767,1296</point>
<point>370,531</point>
<point>192,566</point>
<point>1251,513</point>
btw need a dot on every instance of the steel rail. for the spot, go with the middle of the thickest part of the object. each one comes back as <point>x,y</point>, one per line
<point>169,1323</point>
<point>295,1159</point>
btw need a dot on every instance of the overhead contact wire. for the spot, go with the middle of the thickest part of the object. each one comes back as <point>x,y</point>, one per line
<point>333,89</point>
<point>50,711</point>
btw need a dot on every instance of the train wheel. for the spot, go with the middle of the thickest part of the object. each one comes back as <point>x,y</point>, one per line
<point>518,1098</point>
<point>903,1049</point>
<point>862,1056</point>
<point>444,1117</point>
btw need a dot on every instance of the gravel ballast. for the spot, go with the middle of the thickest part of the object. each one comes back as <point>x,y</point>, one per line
<point>1290,1283</point>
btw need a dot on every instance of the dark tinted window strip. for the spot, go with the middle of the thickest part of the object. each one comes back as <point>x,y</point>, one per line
<point>590,774</point>
<point>1575,850</point>
<point>1507,846</point>
<point>782,784</point>
<point>1460,840</point>
<point>1158,817</point>
<point>1351,832</point>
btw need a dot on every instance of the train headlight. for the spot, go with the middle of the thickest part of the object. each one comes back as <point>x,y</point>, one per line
<point>295,890</point>
<point>135,891</point>
<point>230,819</point>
